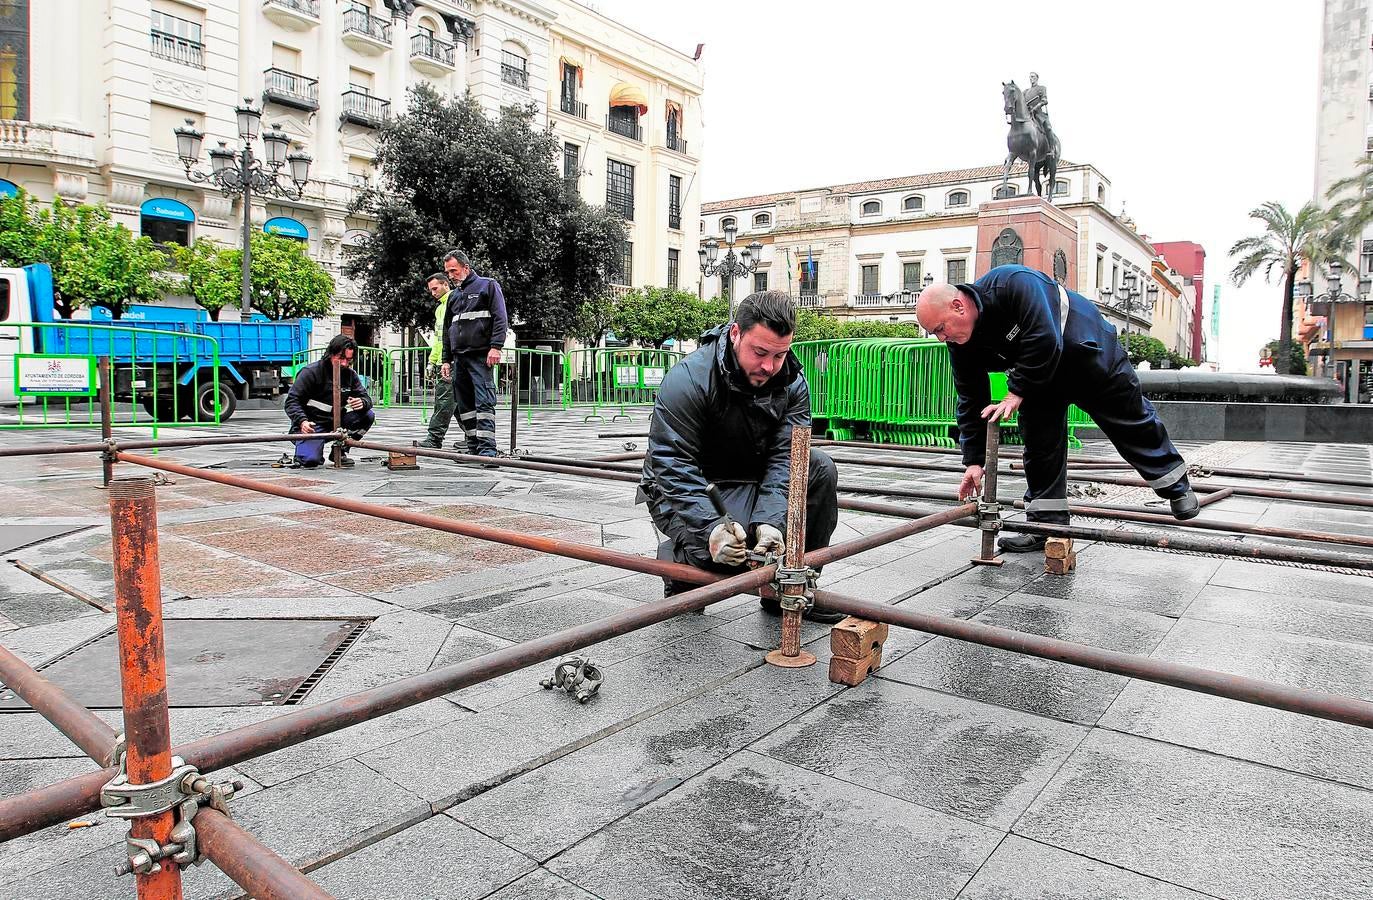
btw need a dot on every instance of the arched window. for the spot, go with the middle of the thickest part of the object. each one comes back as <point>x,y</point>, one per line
<point>1060,188</point>
<point>871,208</point>
<point>728,222</point>
<point>1101,193</point>
<point>957,198</point>
<point>1003,191</point>
<point>762,220</point>
<point>515,65</point>
<point>913,203</point>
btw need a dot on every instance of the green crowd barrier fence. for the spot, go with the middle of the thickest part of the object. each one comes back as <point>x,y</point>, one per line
<point>49,376</point>
<point>372,364</point>
<point>615,379</point>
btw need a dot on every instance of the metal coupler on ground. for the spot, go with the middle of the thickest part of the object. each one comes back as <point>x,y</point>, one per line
<point>185,789</point>
<point>576,675</point>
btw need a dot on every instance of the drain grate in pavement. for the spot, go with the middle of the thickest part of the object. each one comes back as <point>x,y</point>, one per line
<point>415,487</point>
<point>211,662</point>
<point>17,537</point>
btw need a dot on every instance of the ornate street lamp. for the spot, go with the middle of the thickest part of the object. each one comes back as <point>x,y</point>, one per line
<point>1125,299</point>
<point>731,267</point>
<point>240,172</point>
<point>1334,293</point>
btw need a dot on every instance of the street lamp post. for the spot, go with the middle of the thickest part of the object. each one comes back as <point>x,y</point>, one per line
<point>1334,293</point>
<point>731,267</point>
<point>1125,301</point>
<point>241,172</point>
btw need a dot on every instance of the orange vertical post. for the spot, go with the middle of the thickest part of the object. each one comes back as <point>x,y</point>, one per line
<point>795,593</point>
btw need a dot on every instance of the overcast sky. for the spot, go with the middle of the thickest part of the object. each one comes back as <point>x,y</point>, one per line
<point>1196,110</point>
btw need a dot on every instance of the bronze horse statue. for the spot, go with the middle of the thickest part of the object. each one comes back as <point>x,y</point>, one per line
<point>1027,141</point>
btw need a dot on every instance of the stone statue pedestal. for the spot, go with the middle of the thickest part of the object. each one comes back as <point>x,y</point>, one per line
<point>1032,227</point>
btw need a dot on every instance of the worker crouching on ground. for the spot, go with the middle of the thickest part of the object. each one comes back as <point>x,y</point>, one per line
<point>724,416</point>
<point>1056,349</point>
<point>310,403</point>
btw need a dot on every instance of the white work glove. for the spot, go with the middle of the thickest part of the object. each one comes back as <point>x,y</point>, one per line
<point>728,544</point>
<point>769,540</point>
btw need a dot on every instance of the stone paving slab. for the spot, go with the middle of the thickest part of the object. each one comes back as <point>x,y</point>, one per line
<point>1338,620</point>
<point>956,756</point>
<point>755,827</point>
<point>1294,582</point>
<point>398,644</point>
<point>1215,825</point>
<point>1025,870</point>
<point>546,811</point>
<point>1286,740</point>
<point>541,884</point>
<point>1125,576</point>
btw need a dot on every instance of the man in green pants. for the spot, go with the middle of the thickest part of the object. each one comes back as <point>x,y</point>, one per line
<point>443,387</point>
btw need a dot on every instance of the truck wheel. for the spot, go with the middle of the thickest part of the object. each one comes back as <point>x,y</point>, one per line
<point>201,401</point>
<point>164,410</point>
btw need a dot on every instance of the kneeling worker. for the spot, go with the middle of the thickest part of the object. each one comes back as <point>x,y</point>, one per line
<point>724,416</point>
<point>310,403</point>
<point>1055,349</point>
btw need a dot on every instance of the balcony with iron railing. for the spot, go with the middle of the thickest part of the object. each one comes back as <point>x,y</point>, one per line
<point>290,89</point>
<point>178,49</point>
<point>363,109</point>
<point>365,32</point>
<point>514,75</point>
<point>295,15</point>
<point>431,55</point>
<point>624,128</point>
<point>676,143</point>
<point>572,106</point>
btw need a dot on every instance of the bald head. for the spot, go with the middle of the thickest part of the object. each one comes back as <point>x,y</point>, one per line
<point>946,313</point>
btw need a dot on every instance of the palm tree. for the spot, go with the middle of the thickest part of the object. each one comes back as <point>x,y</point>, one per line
<point>1287,240</point>
<point>1352,209</point>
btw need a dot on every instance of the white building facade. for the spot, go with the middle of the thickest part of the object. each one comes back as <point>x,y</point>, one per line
<point>87,110</point>
<point>864,250</point>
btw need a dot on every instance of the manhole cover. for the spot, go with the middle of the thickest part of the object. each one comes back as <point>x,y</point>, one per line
<point>211,662</point>
<point>415,487</point>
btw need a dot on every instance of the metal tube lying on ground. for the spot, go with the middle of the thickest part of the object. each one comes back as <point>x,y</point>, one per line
<point>162,444</point>
<point>251,864</point>
<point>84,728</point>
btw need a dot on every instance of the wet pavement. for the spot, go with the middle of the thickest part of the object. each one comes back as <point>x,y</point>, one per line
<point>957,771</point>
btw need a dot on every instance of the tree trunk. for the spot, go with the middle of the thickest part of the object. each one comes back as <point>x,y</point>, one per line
<point>116,312</point>
<point>214,314</point>
<point>1283,364</point>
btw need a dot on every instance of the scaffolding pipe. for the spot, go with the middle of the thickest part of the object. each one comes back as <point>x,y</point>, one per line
<point>163,444</point>
<point>81,726</point>
<point>1307,702</point>
<point>793,593</point>
<point>251,864</point>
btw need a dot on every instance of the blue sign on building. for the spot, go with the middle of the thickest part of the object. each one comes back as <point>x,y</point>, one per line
<point>166,208</point>
<point>8,188</point>
<point>285,226</point>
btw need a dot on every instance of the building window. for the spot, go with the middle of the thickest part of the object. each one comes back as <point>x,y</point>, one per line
<point>870,283</point>
<point>177,39</point>
<point>1100,270</point>
<point>165,231</point>
<point>913,203</point>
<point>810,277</point>
<point>572,165</point>
<point>1368,315</point>
<point>910,276</point>
<point>624,268</point>
<point>762,220</point>
<point>956,271</point>
<point>1367,255</point>
<point>619,188</point>
<point>1004,191</point>
<point>674,267</point>
<point>624,120</point>
<point>14,59</point>
<point>1060,188</point>
<point>957,198</point>
<point>760,281</point>
<point>728,222</point>
<point>568,101</point>
<point>674,201</point>
<point>514,69</point>
<point>1101,193</point>
<point>871,208</point>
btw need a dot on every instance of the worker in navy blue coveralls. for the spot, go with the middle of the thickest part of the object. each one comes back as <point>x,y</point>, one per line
<point>474,330</point>
<point>1056,349</point>
<point>310,402</point>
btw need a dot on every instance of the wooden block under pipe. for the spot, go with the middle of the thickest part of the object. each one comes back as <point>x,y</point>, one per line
<point>856,638</point>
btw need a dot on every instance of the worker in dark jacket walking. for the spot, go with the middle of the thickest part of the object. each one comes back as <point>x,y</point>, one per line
<point>310,402</point>
<point>1056,349</point>
<point>474,331</point>
<point>724,416</point>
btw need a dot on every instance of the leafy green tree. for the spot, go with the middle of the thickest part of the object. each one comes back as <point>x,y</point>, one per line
<point>1142,347</point>
<point>453,177</point>
<point>114,269</point>
<point>594,320</point>
<point>1296,360</point>
<point>1351,208</point>
<point>1287,241</point>
<point>31,233</point>
<point>212,279</point>
<point>285,282</point>
<point>653,315</point>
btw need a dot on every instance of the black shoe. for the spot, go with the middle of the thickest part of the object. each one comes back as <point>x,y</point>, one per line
<point>825,617</point>
<point>1021,543</point>
<point>1185,507</point>
<point>430,445</point>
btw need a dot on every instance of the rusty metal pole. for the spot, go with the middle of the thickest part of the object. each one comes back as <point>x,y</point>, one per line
<point>795,594</point>
<point>143,666</point>
<point>337,452</point>
<point>988,510</point>
<point>106,422</point>
<point>250,863</point>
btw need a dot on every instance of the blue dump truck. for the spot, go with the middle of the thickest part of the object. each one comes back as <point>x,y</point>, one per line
<point>173,361</point>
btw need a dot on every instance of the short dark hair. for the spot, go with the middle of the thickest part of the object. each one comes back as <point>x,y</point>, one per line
<point>439,276</point>
<point>458,256</point>
<point>340,343</point>
<point>771,308</point>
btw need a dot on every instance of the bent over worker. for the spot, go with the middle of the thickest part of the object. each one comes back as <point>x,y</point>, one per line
<point>474,330</point>
<point>724,416</point>
<point>310,402</point>
<point>1056,349</point>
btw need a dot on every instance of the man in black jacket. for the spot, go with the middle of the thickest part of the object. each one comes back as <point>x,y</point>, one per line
<point>1056,349</point>
<point>724,416</point>
<point>474,330</point>
<point>310,403</point>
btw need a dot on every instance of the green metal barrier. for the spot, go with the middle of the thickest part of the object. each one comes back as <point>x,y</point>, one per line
<point>615,378</point>
<point>895,390</point>
<point>157,377</point>
<point>373,365</point>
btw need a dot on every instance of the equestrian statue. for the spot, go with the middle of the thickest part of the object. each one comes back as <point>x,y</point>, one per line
<point>1031,138</point>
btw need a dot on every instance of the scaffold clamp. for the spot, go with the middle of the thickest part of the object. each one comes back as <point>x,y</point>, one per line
<point>185,789</point>
<point>989,515</point>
